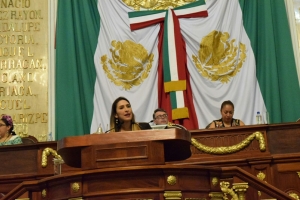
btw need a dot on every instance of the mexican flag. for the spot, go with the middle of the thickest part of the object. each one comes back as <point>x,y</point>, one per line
<point>235,53</point>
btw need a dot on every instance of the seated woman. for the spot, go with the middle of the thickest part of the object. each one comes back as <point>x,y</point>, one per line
<point>7,134</point>
<point>227,120</point>
<point>122,117</point>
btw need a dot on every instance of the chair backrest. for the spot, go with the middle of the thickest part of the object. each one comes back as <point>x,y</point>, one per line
<point>144,125</point>
<point>29,140</point>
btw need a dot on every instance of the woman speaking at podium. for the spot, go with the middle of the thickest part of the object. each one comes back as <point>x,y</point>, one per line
<point>122,117</point>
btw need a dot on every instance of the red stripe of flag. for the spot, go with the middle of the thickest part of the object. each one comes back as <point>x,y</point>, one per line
<point>146,24</point>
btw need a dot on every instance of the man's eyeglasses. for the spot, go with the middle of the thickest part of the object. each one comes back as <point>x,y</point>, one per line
<point>161,116</point>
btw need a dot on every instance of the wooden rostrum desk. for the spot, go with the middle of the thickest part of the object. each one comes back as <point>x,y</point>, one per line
<point>162,164</point>
<point>147,147</point>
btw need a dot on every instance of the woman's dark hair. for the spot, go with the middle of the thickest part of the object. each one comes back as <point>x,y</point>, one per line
<point>8,122</point>
<point>114,123</point>
<point>228,102</point>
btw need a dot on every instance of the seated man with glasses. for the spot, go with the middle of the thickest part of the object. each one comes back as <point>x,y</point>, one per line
<point>160,120</point>
<point>160,116</point>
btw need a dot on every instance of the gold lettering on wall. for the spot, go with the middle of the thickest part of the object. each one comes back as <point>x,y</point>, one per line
<point>24,65</point>
<point>9,64</point>
<point>19,77</point>
<point>15,4</point>
<point>19,27</point>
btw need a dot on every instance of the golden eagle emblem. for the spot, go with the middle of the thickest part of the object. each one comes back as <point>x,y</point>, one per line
<point>219,58</point>
<point>155,4</point>
<point>126,66</point>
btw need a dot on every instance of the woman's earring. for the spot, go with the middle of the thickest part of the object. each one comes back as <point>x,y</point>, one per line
<point>117,121</point>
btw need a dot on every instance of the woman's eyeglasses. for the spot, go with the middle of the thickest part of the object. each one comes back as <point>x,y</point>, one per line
<point>161,116</point>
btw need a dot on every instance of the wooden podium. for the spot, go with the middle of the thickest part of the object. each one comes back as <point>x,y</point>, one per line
<point>121,149</point>
<point>156,165</point>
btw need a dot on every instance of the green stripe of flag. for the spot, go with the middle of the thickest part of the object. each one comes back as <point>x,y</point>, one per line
<point>173,100</point>
<point>75,72</point>
<point>144,13</point>
<point>267,27</point>
<point>166,63</point>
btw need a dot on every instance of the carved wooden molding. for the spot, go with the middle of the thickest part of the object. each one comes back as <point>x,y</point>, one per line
<point>234,148</point>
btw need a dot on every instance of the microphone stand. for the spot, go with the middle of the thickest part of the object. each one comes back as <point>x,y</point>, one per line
<point>118,126</point>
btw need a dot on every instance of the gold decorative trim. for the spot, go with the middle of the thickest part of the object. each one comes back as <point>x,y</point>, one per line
<point>214,181</point>
<point>171,180</point>
<point>44,193</point>
<point>75,187</point>
<point>232,149</point>
<point>77,198</point>
<point>216,195</point>
<point>293,195</point>
<point>226,190</point>
<point>259,193</point>
<point>261,176</point>
<point>240,189</point>
<point>46,152</point>
<point>298,174</point>
<point>172,195</point>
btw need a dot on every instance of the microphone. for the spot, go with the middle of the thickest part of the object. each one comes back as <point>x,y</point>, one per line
<point>151,121</point>
<point>118,126</point>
